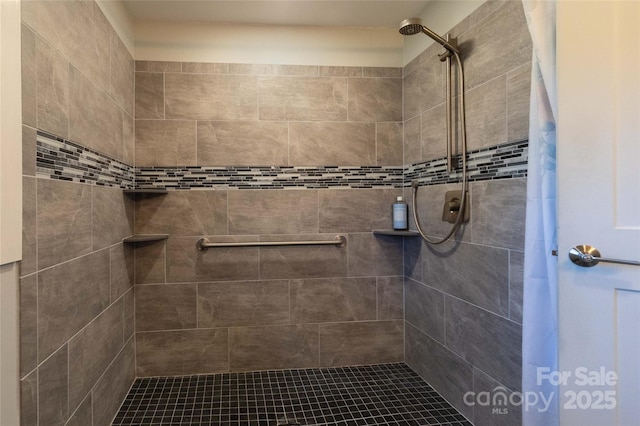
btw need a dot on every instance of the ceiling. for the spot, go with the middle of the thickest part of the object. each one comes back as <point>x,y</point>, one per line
<point>343,13</point>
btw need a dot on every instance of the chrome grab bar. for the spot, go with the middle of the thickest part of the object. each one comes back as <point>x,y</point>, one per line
<point>339,241</point>
<point>587,256</point>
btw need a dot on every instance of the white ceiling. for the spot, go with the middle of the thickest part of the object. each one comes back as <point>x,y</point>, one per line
<point>344,13</point>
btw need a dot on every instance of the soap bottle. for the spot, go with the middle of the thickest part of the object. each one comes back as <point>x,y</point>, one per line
<point>400,214</point>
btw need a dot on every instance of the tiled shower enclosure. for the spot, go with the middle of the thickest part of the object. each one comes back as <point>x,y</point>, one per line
<point>261,152</point>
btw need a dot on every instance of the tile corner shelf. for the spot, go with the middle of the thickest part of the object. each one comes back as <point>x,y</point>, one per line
<point>143,238</point>
<point>145,191</point>
<point>393,232</point>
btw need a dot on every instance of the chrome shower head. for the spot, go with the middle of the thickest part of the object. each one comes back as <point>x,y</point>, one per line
<point>413,26</point>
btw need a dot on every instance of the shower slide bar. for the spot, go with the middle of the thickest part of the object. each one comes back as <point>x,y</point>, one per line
<point>339,241</point>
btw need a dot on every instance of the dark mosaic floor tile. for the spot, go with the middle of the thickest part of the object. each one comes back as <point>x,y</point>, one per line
<point>384,394</point>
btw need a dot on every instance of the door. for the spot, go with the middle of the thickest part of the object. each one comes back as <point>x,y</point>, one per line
<point>598,57</point>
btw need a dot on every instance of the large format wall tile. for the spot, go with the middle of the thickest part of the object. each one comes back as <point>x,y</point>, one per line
<point>63,221</point>
<point>211,97</point>
<point>356,210</point>
<point>390,298</point>
<point>29,400</point>
<point>186,264</point>
<point>331,143</point>
<point>243,303</point>
<point>498,213</point>
<point>361,343</point>
<point>122,269</point>
<point>273,212</point>
<point>92,350</point>
<point>165,307</point>
<point>52,90</point>
<point>182,352</point>
<point>489,342</point>
<point>158,66</point>
<point>165,143</point>
<point>371,255</point>
<point>486,107</point>
<point>333,300</point>
<point>94,118</point>
<point>53,395</point>
<point>480,275</point>
<point>122,76</point>
<point>242,143</point>
<point>448,373</point>
<point>28,264</point>
<point>28,324</point>
<point>81,32</point>
<point>389,141</point>
<point>424,309</point>
<point>273,347</point>
<point>302,262</point>
<point>150,262</point>
<point>434,133</point>
<point>182,213</point>
<point>499,44</point>
<point>111,216</point>
<point>423,88</point>
<point>70,295</point>
<point>28,151</point>
<point>484,414</point>
<point>518,91</point>
<point>111,389</point>
<point>149,95</point>
<point>303,98</point>
<point>412,147</point>
<point>375,99</point>
<point>83,415</point>
<point>516,281</point>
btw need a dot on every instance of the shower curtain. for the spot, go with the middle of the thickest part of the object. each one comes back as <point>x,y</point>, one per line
<point>540,318</point>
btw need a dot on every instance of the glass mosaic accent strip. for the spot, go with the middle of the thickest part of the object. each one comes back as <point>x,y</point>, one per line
<point>269,177</point>
<point>60,159</point>
<point>383,394</point>
<point>497,162</point>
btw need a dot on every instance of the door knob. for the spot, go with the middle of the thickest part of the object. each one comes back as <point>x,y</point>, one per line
<point>587,256</point>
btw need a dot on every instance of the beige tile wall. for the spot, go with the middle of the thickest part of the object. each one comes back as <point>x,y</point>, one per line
<point>463,299</point>
<point>240,114</point>
<point>76,291</point>
<point>270,307</point>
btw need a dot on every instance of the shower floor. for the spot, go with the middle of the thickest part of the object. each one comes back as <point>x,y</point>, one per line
<point>384,394</point>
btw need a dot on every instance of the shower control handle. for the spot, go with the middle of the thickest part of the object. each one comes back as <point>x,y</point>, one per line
<point>587,256</point>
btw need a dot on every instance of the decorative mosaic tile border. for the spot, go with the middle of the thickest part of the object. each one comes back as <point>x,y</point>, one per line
<point>270,177</point>
<point>503,161</point>
<point>60,159</point>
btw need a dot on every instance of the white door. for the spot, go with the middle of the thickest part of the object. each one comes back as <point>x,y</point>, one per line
<point>598,57</point>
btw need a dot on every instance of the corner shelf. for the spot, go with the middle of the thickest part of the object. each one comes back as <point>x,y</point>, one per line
<point>393,232</point>
<point>143,238</point>
<point>145,191</point>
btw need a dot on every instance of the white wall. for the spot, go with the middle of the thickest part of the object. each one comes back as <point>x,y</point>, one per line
<point>10,207</point>
<point>255,44</point>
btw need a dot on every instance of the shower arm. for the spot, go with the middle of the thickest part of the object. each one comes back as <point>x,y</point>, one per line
<point>463,139</point>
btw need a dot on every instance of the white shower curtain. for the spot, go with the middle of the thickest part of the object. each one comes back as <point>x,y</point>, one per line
<point>540,316</point>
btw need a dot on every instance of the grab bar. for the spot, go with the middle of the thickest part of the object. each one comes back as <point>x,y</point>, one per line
<point>339,241</point>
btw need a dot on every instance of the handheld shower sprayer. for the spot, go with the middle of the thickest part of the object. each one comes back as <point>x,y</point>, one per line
<point>413,26</point>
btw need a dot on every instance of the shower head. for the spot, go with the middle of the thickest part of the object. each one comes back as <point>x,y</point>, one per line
<point>413,26</point>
